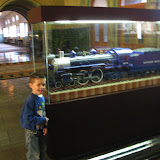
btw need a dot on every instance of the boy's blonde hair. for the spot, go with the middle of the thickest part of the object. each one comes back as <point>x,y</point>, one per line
<point>34,76</point>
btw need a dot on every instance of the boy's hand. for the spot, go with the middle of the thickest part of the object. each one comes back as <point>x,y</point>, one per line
<point>47,119</point>
<point>45,130</point>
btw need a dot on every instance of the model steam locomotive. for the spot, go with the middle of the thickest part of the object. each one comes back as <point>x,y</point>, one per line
<point>115,63</point>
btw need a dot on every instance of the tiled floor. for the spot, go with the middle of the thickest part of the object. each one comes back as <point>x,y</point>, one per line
<point>13,94</point>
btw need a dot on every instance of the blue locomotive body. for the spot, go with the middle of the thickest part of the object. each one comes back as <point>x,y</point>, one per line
<point>115,63</point>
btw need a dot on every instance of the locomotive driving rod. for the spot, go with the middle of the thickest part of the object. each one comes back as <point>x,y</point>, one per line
<point>90,78</point>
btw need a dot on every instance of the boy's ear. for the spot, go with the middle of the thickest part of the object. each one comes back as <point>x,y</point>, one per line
<point>30,85</point>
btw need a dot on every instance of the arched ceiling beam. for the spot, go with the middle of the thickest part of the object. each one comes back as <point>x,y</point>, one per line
<point>20,7</point>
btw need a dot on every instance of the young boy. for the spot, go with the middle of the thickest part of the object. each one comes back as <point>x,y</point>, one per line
<point>34,120</point>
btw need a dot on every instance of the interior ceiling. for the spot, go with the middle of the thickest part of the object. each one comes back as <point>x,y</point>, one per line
<point>20,7</point>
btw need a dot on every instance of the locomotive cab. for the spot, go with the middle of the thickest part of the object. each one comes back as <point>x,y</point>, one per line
<point>121,56</point>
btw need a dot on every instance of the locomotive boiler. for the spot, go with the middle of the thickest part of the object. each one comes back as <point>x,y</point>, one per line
<point>113,64</point>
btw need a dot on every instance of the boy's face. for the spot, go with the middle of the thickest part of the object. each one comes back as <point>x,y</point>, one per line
<point>38,86</point>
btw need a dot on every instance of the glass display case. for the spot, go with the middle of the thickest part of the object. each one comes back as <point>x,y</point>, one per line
<point>85,51</point>
<point>95,52</point>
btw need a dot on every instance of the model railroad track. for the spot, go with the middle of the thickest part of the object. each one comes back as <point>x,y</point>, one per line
<point>101,83</point>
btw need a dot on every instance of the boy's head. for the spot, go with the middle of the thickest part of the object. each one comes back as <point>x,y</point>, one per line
<point>37,83</point>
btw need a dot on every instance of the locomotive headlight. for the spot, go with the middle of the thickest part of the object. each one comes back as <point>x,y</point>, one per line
<point>60,63</point>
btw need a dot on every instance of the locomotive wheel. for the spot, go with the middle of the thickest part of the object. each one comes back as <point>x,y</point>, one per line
<point>72,83</point>
<point>58,84</point>
<point>98,74</point>
<point>82,79</point>
<point>125,74</point>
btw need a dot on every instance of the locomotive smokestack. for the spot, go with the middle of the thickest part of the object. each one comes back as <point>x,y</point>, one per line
<point>61,54</point>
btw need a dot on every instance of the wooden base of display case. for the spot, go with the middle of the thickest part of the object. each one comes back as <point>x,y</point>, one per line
<point>86,92</point>
<point>88,127</point>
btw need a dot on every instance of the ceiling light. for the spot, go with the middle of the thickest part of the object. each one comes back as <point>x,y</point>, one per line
<point>92,21</point>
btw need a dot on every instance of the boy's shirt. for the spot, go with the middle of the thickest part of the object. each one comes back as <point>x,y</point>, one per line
<point>33,113</point>
<point>41,110</point>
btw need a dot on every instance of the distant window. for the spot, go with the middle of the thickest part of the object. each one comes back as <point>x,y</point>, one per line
<point>97,32</point>
<point>105,33</point>
<point>22,30</point>
<point>13,19</point>
<point>5,32</point>
<point>100,3</point>
<point>139,30</point>
<point>14,34</point>
<point>126,2</point>
<point>8,21</point>
<point>26,29</point>
<point>12,31</point>
<point>17,17</point>
<point>144,1</point>
<point>18,31</point>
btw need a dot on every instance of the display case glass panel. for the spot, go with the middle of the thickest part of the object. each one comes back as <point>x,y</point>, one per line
<point>83,58</point>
